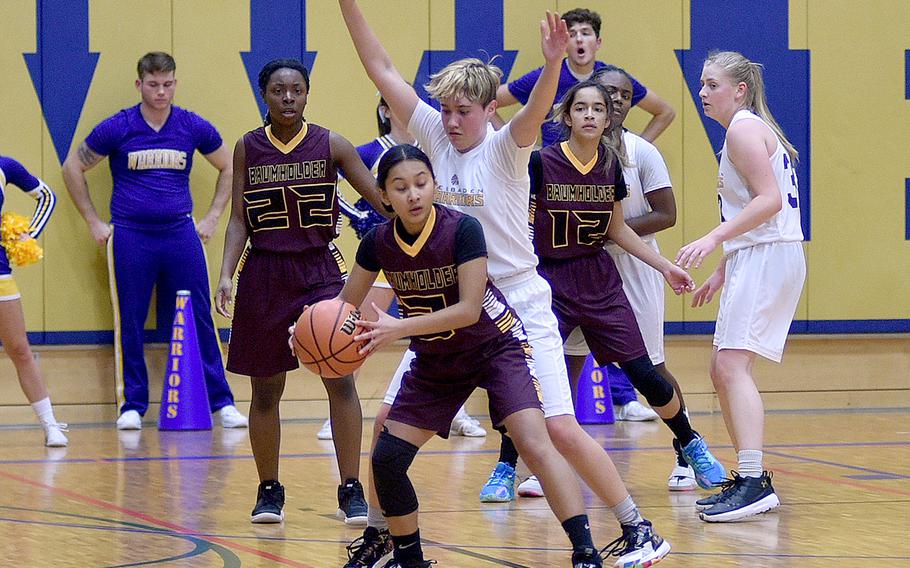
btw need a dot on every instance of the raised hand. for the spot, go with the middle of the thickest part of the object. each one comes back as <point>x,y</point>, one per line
<point>554,37</point>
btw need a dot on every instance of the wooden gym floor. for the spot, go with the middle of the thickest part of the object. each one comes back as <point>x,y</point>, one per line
<point>155,498</point>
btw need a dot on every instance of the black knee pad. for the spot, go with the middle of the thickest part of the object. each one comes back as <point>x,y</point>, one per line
<point>644,377</point>
<point>391,459</point>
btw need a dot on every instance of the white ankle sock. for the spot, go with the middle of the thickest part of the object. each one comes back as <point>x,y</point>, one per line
<point>375,518</point>
<point>626,512</point>
<point>749,463</point>
<point>45,411</point>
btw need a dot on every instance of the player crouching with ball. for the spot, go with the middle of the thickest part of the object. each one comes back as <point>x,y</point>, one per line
<point>464,335</point>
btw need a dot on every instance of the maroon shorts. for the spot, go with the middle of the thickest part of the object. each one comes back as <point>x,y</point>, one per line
<point>587,293</point>
<point>437,385</point>
<point>272,290</point>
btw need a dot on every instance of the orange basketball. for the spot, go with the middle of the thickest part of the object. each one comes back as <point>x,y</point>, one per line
<point>324,339</point>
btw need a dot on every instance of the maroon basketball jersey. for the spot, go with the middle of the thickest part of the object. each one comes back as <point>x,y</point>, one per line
<point>289,191</point>
<point>425,279</point>
<point>572,205</point>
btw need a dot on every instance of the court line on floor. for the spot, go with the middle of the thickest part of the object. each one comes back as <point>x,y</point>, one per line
<point>492,451</point>
<point>76,496</point>
<point>836,464</point>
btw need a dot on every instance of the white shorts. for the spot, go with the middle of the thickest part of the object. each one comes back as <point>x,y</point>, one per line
<point>644,287</point>
<point>531,298</point>
<point>758,302</point>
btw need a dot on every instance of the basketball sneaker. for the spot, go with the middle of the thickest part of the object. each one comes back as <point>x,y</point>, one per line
<point>465,425</point>
<point>352,507</point>
<point>712,500</point>
<point>639,546</point>
<point>129,420</point>
<point>586,558</point>
<point>53,435</point>
<point>500,487</point>
<point>269,503</point>
<point>410,564</point>
<point>682,478</point>
<point>374,548</point>
<point>748,496</point>
<point>325,433</point>
<point>708,471</point>
<point>530,487</point>
<point>634,411</point>
<point>231,417</point>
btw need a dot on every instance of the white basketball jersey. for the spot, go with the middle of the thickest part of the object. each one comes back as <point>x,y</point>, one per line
<point>645,172</point>
<point>489,182</point>
<point>784,226</point>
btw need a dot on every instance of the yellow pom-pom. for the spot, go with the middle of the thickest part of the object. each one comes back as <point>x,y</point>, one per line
<point>21,251</point>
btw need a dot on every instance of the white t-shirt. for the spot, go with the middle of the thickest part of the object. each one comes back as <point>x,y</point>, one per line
<point>645,173</point>
<point>784,226</point>
<point>489,182</point>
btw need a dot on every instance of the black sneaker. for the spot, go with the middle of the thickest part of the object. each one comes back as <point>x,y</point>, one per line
<point>639,545</point>
<point>748,496</point>
<point>352,507</point>
<point>371,549</point>
<point>269,503</point>
<point>711,500</point>
<point>586,558</point>
<point>412,564</point>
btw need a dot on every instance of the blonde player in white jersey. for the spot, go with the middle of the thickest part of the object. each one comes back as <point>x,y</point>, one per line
<point>484,173</point>
<point>763,268</point>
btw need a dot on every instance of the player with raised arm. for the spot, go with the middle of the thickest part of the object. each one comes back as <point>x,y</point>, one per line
<point>484,173</point>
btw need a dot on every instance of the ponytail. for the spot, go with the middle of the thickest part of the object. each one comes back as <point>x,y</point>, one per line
<point>742,70</point>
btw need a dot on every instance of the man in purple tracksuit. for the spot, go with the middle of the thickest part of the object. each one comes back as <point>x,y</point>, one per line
<point>152,238</point>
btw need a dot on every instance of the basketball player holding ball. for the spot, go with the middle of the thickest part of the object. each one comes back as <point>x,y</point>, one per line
<point>285,202</point>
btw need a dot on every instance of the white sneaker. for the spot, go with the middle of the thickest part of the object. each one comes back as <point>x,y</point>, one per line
<point>325,433</point>
<point>53,435</point>
<point>129,420</point>
<point>464,425</point>
<point>634,412</point>
<point>231,417</point>
<point>682,478</point>
<point>530,487</point>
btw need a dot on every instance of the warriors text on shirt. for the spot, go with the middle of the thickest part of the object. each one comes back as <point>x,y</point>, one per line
<point>157,158</point>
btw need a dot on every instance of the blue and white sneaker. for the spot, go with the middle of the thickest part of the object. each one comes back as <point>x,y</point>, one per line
<point>500,487</point>
<point>708,471</point>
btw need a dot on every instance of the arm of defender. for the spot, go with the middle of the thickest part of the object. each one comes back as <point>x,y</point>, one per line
<point>662,215</point>
<point>397,92</point>
<point>554,39</point>
<point>747,148</point>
